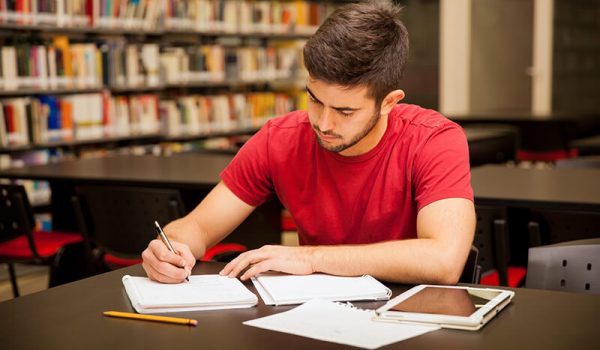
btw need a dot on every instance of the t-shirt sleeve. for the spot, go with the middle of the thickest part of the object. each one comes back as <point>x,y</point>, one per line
<point>441,169</point>
<point>248,175</point>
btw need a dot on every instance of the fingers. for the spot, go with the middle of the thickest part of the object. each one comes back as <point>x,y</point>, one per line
<point>261,267</point>
<point>184,251</point>
<point>165,266</point>
<point>237,265</point>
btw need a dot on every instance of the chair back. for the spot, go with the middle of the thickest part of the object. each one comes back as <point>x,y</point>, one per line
<point>16,215</point>
<point>120,220</point>
<point>491,239</point>
<point>548,226</point>
<point>472,270</point>
<point>569,266</point>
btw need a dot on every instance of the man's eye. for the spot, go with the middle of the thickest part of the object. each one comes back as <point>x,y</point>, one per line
<point>344,114</point>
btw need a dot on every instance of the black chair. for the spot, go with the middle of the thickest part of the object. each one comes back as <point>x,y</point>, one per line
<point>569,266</point>
<point>118,223</point>
<point>472,270</point>
<point>491,238</point>
<point>21,243</point>
<point>548,226</point>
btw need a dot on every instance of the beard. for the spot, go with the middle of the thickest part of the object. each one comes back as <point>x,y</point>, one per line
<point>339,148</point>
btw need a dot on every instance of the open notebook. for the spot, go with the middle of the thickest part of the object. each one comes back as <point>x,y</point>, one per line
<point>202,292</point>
<point>283,289</point>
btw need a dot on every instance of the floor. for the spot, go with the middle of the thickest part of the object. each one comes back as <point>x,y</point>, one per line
<point>31,279</point>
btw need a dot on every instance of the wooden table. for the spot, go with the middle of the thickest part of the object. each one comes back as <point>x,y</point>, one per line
<point>194,174</point>
<point>70,317</point>
<point>572,189</point>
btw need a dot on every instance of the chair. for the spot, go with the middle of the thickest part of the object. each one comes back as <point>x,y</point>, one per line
<point>20,243</point>
<point>118,223</point>
<point>569,266</point>
<point>548,226</point>
<point>472,270</point>
<point>491,238</point>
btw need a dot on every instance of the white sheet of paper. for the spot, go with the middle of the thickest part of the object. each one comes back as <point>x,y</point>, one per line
<point>339,323</point>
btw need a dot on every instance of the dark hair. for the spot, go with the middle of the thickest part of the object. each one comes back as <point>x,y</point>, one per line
<point>360,44</point>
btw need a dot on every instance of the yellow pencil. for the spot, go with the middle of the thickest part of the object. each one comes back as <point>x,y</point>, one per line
<point>176,320</point>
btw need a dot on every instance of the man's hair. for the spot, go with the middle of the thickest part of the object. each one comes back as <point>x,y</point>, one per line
<point>361,44</point>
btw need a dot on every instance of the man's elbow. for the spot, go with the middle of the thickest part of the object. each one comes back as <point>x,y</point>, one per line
<point>448,274</point>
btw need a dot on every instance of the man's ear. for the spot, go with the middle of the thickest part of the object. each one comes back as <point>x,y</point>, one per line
<point>391,100</point>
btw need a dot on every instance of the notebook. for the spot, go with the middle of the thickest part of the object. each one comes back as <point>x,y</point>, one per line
<point>202,292</point>
<point>339,323</point>
<point>283,289</point>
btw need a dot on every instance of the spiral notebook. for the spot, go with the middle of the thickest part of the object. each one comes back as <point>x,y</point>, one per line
<point>202,292</point>
<point>283,289</point>
<point>339,323</point>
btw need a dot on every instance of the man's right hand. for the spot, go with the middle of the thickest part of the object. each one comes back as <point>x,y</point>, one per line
<point>164,266</point>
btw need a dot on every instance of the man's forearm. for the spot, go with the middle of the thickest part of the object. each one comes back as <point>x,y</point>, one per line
<point>186,230</point>
<point>406,261</point>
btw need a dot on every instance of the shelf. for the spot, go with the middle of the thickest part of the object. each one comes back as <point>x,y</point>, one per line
<point>133,89</point>
<point>130,140</point>
<point>38,91</point>
<point>142,32</point>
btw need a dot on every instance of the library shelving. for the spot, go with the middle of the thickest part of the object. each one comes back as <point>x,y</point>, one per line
<point>97,73</point>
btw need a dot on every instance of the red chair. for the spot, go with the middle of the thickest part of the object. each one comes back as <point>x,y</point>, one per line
<point>19,242</point>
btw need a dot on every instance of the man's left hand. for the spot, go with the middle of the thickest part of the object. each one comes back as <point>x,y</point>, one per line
<point>292,260</point>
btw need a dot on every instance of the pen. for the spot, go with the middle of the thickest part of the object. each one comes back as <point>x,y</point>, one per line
<point>165,240</point>
<point>165,319</point>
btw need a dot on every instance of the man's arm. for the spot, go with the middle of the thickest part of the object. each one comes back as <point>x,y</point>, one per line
<point>445,231</point>
<point>213,219</point>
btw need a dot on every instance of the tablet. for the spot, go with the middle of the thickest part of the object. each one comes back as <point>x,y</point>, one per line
<point>455,307</point>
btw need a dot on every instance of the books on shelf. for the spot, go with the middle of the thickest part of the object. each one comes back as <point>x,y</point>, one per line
<point>59,64</point>
<point>61,13</point>
<point>49,119</point>
<point>218,16</point>
<point>193,64</point>
<point>246,17</point>
<point>46,119</point>
<point>128,65</point>
<point>197,114</point>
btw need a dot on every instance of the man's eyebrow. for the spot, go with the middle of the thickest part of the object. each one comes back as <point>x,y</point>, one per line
<point>341,109</point>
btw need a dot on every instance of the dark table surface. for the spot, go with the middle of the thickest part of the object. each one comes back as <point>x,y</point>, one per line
<point>189,169</point>
<point>541,133</point>
<point>70,317</point>
<point>561,188</point>
<point>182,170</point>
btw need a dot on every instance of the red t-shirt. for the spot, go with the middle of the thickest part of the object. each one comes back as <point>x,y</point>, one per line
<point>422,157</point>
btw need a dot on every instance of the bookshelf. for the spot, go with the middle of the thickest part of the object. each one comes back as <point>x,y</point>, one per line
<point>87,78</point>
<point>79,74</point>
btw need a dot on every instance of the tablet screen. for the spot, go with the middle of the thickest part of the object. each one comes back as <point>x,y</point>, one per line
<point>446,301</point>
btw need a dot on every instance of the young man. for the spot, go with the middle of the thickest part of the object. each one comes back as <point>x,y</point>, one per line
<point>375,187</point>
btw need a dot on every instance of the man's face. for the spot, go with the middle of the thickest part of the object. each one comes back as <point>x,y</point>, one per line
<point>344,119</point>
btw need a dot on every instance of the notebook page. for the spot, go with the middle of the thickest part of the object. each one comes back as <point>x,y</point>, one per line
<point>338,323</point>
<point>281,289</point>
<point>201,290</point>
